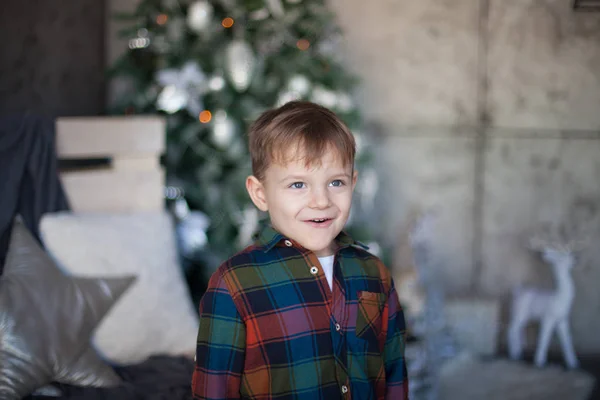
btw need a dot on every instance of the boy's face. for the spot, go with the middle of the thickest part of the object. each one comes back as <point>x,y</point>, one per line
<point>309,205</point>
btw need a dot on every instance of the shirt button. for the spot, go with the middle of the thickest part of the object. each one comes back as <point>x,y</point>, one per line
<point>288,243</point>
<point>314,270</point>
<point>337,327</point>
<point>344,389</point>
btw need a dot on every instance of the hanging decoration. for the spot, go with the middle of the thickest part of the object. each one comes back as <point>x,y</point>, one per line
<point>223,130</point>
<point>182,88</point>
<point>240,64</point>
<point>199,16</point>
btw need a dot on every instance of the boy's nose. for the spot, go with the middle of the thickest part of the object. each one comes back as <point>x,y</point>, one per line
<point>319,199</point>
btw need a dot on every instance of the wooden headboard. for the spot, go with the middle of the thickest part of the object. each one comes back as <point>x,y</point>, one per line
<point>117,162</point>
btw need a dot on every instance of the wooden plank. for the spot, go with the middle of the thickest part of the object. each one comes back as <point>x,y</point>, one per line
<point>115,190</point>
<point>135,163</point>
<point>90,137</point>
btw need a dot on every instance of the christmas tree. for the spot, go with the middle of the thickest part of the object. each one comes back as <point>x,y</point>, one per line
<point>211,67</point>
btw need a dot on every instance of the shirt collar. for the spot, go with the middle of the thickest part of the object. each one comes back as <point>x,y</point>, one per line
<point>268,237</point>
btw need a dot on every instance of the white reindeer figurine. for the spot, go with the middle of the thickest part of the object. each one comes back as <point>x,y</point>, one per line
<point>550,308</point>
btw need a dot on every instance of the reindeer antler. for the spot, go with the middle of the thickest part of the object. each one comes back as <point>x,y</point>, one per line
<point>567,237</point>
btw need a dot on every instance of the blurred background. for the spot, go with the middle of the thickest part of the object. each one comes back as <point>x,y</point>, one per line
<point>478,125</point>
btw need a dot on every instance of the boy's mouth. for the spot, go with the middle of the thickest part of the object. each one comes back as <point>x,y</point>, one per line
<point>320,222</point>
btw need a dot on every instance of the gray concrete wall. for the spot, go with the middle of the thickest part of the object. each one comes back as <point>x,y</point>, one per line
<point>491,110</point>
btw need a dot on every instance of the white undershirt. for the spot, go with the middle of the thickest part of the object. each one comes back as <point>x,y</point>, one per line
<point>327,264</point>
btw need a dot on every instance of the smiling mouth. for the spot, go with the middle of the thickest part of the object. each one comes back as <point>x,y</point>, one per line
<point>319,220</point>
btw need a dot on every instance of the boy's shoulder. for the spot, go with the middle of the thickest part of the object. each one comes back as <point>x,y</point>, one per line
<point>251,256</point>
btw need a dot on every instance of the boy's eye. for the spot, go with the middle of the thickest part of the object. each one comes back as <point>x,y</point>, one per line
<point>337,183</point>
<point>297,185</point>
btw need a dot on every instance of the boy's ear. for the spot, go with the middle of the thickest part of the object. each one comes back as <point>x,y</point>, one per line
<point>354,178</point>
<point>256,190</point>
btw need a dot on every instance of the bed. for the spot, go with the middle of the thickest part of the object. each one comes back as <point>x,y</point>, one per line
<point>118,227</point>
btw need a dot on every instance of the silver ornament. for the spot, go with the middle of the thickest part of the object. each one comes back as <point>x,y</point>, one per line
<point>199,16</point>
<point>216,83</point>
<point>276,8</point>
<point>184,87</point>
<point>191,229</point>
<point>172,99</point>
<point>259,15</point>
<point>240,64</point>
<point>299,84</point>
<point>223,130</point>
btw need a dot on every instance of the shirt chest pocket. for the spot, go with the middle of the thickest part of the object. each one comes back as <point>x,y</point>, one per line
<point>369,320</point>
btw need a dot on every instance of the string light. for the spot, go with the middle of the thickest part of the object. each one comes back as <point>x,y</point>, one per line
<point>205,116</point>
<point>162,19</point>
<point>227,22</point>
<point>303,44</point>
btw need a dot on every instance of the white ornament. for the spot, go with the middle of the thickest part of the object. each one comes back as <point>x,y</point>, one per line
<point>182,88</point>
<point>324,96</point>
<point>199,16</point>
<point>299,84</point>
<point>551,308</point>
<point>192,227</point>
<point>276,8</point>
<point>216,83</point>
<point>172,99</point>
<point>223,130</point>
<point>240,64</point>
<point>286,97</point>
<point>259,15</point>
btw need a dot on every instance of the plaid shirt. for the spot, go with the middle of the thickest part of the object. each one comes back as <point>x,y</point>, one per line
<point>271,328</point>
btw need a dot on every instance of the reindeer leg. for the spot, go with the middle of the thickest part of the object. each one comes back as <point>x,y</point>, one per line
<point>543,341</point>
<point>519,316</point>
<point>515,340</point>
<point>567,344</point>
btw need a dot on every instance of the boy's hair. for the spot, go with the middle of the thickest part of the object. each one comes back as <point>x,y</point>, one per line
<point>310,128</point>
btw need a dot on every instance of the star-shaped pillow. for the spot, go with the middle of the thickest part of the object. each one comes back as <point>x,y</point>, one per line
<point>47,319</point>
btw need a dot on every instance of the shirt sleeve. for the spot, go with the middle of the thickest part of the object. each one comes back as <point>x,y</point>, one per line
<point>220,345</point>
<point>395,365</point>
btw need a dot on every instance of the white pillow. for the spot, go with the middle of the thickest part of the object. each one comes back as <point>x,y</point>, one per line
<point>155,316</point>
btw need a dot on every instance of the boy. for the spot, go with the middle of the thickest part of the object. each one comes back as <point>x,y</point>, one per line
<point>305,312</point>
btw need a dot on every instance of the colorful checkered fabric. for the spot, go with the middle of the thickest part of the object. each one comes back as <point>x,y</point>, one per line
<point>271,328</point>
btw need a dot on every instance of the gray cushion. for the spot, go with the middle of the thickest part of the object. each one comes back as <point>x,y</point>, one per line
<point>47,319</point>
